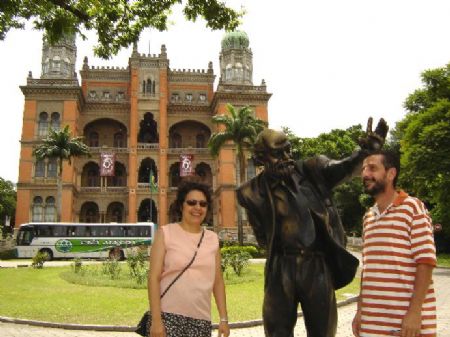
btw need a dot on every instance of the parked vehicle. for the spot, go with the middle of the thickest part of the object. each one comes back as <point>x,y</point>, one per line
<point>83,240</point>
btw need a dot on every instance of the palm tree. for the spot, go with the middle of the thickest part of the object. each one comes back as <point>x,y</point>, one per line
<point>240,127</point>
<point>61,146</point>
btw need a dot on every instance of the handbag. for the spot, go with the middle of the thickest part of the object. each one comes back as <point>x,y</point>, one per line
<point>143,327</point>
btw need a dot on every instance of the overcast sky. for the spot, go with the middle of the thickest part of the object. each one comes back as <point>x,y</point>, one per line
<point>329,64</point>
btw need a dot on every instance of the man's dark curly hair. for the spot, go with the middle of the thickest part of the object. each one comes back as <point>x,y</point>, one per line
<point>185,188</point>
<point>391,159</point>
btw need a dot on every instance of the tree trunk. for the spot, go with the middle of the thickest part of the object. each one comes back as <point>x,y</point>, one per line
<point>241,178</point>
<point>59,191</point>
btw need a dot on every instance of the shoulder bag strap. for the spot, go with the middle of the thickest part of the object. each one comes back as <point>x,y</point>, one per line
<point>187,266</point>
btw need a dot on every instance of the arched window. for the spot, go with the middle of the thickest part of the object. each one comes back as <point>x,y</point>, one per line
<point>176,140</point>
<point>52,168</point>
<point>39,169</point>
<point>91,216</point>
<point>93,178</point>
<point>238,72</point>
<point>229,72</point>
<point>43,124</point>
<point>50,210</point>
<point>37,209</point>
<point>119,178</point>
<point>89,213</point>
<point>118,140</point>
<point>149,86</point>
<point>115,212</point>
<point>200,141</point>
<point>66,66</point>
<point>143,86</point>
<point>55,121</point>
<point>56,64</point>
<point>93,139</point>
<point>45,66</point>
<point>175,174</point>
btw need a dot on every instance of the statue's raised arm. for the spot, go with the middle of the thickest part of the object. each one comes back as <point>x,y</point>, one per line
<point>374,140</point>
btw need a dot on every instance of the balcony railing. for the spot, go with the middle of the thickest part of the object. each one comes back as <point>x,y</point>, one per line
<point>147,146</point>
<point>182,150</point>
<point>45,180</point>
<point>104,189</point>
<point>109,149</point>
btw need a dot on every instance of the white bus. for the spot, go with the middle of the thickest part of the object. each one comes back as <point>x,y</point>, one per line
<point>83,240</point>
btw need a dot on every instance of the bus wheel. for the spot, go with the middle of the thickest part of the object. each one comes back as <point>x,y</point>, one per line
<point>49,254</point>
<point>116,254</point>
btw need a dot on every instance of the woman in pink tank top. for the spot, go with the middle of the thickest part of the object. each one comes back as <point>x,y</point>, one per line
<point>185,309</point>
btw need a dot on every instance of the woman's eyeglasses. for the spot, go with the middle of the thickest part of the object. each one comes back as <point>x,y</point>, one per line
<point>192,202</point>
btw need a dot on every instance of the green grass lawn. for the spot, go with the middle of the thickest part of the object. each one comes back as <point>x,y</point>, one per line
<point>443,260</point>
<point>45,295</point>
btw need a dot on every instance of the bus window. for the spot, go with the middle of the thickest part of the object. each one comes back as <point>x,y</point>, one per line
<point>88,231</point>
<point>70,231</point>
<point>59,231</point>
<point>44,231</point>
<point>25,236</point>
<point>74,231</point>
<point>125,230</point>
<point>102,231</point>
<point>143,232</point>
<point>130,231</point>
<point>115,231</point>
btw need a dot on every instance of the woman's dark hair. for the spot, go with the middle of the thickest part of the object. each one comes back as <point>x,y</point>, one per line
<point>185,188</point>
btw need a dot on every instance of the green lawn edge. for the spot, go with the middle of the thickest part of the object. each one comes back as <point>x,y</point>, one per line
<point>43,295</point>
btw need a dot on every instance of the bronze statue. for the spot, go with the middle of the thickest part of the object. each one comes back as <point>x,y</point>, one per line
<point>290,209</point>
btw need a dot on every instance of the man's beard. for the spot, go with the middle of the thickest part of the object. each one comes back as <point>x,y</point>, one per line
<point>280,169</point>
<point>378,187</point>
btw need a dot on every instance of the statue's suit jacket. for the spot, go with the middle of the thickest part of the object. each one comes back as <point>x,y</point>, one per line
<point>317,178</point>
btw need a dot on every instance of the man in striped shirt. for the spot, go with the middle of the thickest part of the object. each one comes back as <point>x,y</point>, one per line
<point>397,296</point>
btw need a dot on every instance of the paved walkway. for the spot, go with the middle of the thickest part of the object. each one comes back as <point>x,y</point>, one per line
<point>442,285</point>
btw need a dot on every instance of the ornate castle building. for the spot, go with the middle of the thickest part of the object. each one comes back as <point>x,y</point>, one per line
<point>143,119</point>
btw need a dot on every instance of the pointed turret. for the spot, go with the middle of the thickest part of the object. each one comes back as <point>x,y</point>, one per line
<point>58,60</point>
<point>236,59</point>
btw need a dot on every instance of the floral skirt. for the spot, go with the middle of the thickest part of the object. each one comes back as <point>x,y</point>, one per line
<point>183,326</point>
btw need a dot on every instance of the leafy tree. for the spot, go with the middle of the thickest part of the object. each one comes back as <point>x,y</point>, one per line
<point>349,197</point>
<point>241,128</point>
<point>60,145</point>
<point>7,201</point>
<point>117,23</point>
<point>424,138</point>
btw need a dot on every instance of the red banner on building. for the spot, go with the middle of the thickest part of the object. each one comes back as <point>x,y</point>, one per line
<point>107,161</point>
<point>186,168</point>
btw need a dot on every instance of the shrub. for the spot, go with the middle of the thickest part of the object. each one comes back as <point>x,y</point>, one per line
<point>239,261</point>
<point>252,248</point>
<point>235,256</point>
<point>111,267</point>
<point>77,265</point>
<point>39,260</point>
<point>137,265</point>
<point>8,254</point>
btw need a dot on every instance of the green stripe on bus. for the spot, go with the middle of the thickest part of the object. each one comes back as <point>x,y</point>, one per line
<point>96,245</point>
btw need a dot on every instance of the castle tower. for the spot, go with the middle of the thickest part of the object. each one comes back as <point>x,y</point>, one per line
<point>58,60</point>
<point>150,117</point>
<point>236,88</point>
<point>236,59</point>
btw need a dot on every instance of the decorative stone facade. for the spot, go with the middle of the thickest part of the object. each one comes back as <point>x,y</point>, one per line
<point>147,115</point>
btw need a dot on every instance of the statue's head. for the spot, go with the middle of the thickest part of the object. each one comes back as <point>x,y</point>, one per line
<point>273,150</point>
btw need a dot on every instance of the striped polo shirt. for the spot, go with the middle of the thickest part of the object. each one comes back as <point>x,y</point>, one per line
<point>395,242</point>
